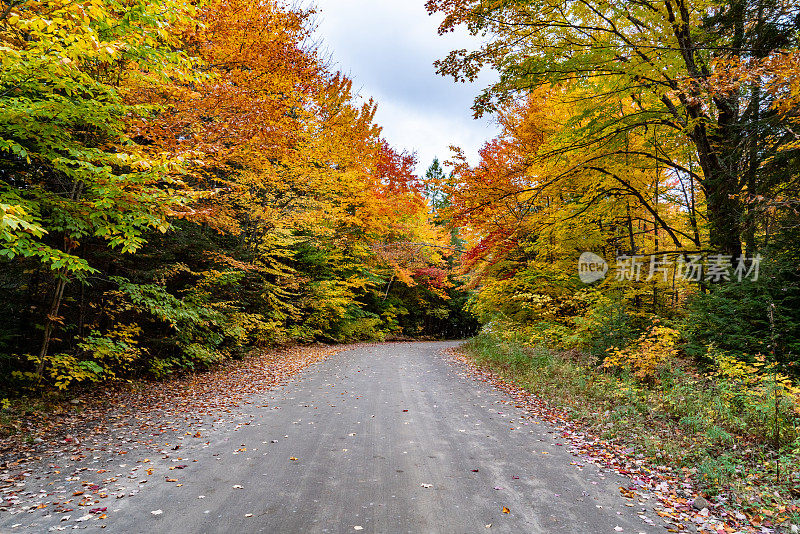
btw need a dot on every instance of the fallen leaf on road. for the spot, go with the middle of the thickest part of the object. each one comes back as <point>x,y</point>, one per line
<point>506,510</point>
<point>293,459</point>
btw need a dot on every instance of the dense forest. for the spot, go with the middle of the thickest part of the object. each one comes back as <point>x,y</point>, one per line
<point>183,182</point>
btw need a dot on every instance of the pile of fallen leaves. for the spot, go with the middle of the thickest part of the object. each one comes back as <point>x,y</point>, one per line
<point>673,490</point>
<point>148,407</point>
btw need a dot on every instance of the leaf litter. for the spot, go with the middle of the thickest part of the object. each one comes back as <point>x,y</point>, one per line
<point>671,490</point>
<point>53,466</point>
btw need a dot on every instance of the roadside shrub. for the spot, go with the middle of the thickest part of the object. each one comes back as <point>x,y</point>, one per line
<point>362,329</point>
<point>646,357</point>
<point>763,400</point>
<point>727,425</point>
<point>607,323</point>
<point>63,370</point>
<point>749,318</point>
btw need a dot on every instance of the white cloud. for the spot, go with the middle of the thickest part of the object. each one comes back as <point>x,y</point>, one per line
<point>388,47</point>
<point>430,134</point>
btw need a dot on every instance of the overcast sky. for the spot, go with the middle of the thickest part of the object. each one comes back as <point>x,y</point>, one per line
<point>388,47</point>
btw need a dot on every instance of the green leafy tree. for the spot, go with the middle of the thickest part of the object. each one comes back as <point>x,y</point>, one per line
<point>68,171</point>
<point>435,181</point>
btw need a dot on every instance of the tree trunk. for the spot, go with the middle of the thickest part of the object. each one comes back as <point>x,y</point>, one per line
<point>715,139</point>
<point>52,317</point>
<point>58,294</point>
<point>724,215</point>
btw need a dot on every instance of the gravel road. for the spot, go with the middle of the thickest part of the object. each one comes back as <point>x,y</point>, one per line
<point>384,438</point>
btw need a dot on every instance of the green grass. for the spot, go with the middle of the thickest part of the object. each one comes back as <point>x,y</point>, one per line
<point>682,419</point>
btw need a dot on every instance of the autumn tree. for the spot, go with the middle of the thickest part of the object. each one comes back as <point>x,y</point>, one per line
<point>643,67</point>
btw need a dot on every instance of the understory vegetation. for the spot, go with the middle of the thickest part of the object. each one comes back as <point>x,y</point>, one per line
<point>735,428</point>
